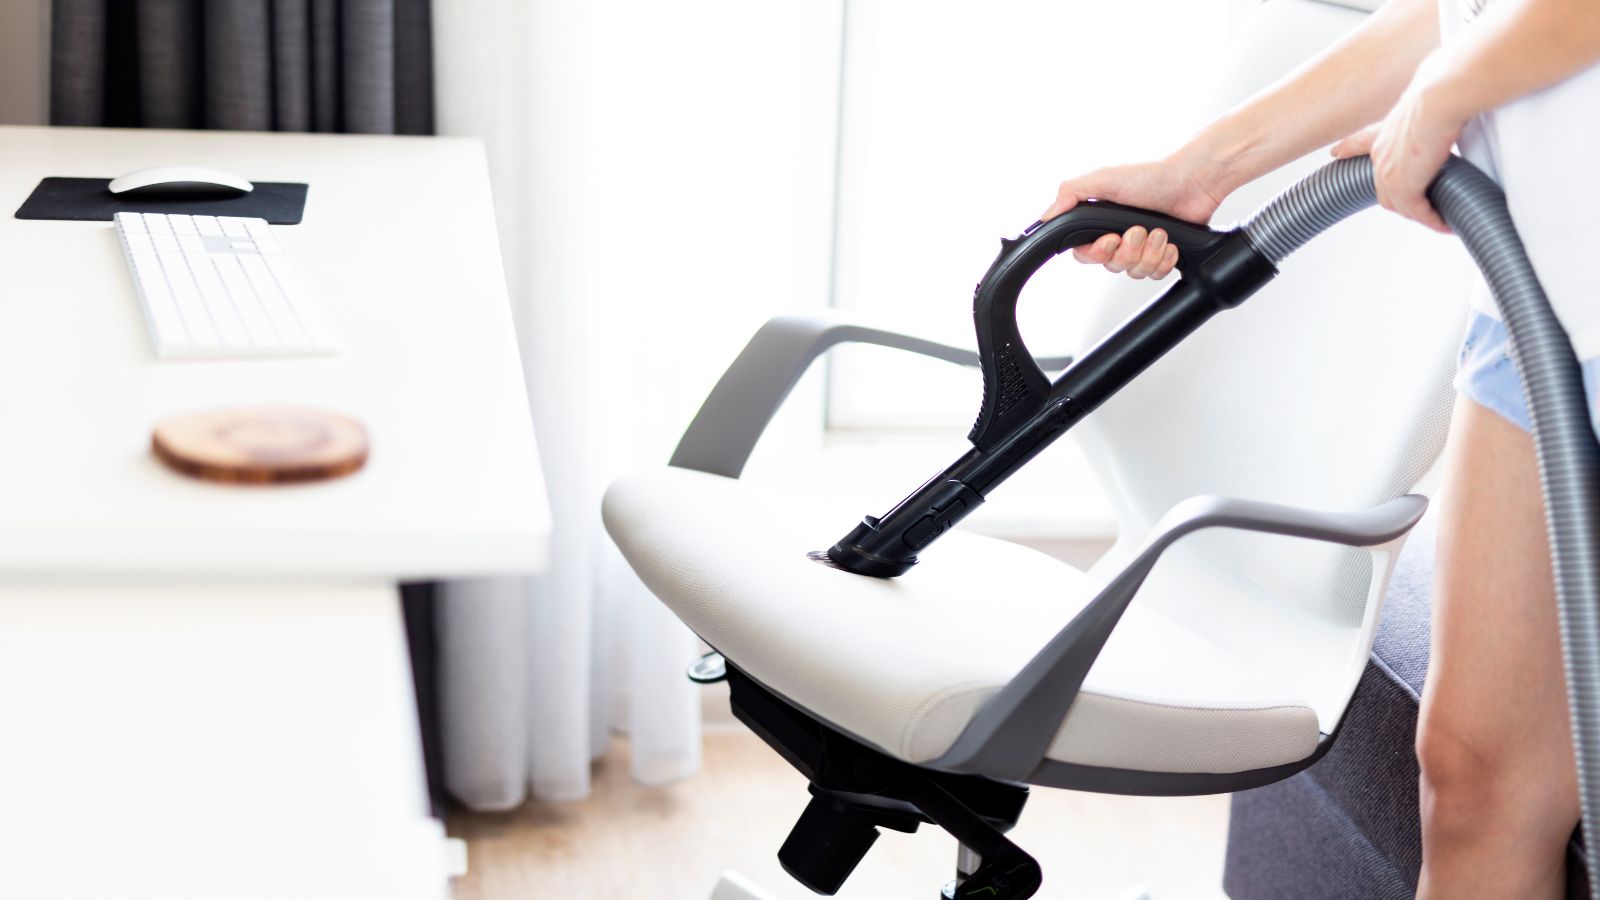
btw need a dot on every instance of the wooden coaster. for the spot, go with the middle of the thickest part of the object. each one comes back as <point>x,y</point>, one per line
<point>263,445</point>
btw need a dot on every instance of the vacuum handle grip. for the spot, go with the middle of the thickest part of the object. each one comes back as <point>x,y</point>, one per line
<point>1093,219</point>
<point>1014,387</point>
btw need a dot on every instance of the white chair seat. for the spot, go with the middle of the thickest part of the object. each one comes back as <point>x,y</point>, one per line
<point>904,664</point>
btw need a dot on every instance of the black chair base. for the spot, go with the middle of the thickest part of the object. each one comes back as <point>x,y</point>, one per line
<point>856,790</point>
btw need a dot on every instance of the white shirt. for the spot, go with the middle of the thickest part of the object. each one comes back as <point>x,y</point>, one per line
<point>1544,150</point>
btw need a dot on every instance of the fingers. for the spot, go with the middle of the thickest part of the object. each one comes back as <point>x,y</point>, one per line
<point>1071,193</point>
<point>1433,220</point>
<point>1169,261</point>
<point>1401,190</point>
<point>1130,251</point>
<point>1155,250</point>
<point>1068,195</point>
<point>1139,253</point>
<point>1100,252</point>
<point>1414,206</point>
<point>1144,254</point>
<point>1356,144</point>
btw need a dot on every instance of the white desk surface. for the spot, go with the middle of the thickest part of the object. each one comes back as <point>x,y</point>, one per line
<point>398,244</point>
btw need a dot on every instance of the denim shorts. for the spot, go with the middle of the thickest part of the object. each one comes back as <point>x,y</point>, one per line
<point>1486,374</point>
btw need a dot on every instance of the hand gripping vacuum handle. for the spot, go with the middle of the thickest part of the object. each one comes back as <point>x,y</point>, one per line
<point>1022,411</point>
<point>1014,387</point>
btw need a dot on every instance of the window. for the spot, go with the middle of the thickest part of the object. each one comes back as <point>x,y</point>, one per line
<point>957,122</point>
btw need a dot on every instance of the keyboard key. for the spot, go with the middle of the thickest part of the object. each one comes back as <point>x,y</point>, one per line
<point>272,299</point>
<point>156,223</point>
<point>224,315</point>
<point>285,276</point>
<point>196,318</point>
<point>186,294</point>
<point>207,225</point>
<point>256,322</point>
<point>159,304</point>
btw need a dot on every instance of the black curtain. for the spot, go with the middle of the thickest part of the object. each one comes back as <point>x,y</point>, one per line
<point>361,66</point>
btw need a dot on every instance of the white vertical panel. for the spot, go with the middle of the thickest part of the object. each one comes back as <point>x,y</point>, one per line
<point>663,181</point>
<point>732,204</point>
<point>734,198</point>
<point>198,741</point>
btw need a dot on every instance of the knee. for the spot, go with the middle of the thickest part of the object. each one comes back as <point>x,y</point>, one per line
<point>1458,774</point>
<point>1470,781</point>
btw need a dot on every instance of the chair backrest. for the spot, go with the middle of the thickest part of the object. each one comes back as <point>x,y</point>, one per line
<point>1329,389</point>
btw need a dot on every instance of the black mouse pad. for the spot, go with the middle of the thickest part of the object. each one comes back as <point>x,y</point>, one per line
<point>89,200</point>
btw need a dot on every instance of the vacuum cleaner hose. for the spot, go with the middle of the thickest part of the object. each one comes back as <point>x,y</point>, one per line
<point>1220,270</point>
<point>1569,456</point>
<point>1023,412</point>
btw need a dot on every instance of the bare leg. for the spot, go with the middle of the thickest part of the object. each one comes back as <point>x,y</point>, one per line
<point>1499,795</point>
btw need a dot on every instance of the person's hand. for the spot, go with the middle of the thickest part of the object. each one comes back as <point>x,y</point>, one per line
<point>1172,186</point>
<point>1407,149</point>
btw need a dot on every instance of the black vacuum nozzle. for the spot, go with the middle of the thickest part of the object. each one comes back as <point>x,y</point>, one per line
<point>852,555</point>
<point>887,547</point>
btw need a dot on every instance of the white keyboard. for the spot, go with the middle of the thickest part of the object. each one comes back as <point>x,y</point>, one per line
<point>219,286</point>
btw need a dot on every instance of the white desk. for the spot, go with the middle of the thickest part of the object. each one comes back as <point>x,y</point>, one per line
<point>204,690</point>
<point>399,246</point>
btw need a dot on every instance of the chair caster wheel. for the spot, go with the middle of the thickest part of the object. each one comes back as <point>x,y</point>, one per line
<point>1017,881</point>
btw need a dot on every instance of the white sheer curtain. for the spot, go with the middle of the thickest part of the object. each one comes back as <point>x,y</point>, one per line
<point>663,181</point>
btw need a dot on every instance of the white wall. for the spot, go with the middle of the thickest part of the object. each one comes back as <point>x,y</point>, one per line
<point>24,62</point>
<point>664,181</point>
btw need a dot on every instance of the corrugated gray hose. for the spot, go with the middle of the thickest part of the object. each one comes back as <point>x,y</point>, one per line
<point>1569,457</point>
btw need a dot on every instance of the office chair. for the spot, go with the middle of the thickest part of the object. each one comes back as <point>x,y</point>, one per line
<point>933,697</point>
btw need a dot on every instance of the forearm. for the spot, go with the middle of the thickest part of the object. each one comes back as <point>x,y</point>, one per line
<point>1515,49</point>
<point>1350,85</point>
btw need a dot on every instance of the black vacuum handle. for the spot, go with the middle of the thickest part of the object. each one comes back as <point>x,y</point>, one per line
<point>1092,219</point>
<point>1014,387</point>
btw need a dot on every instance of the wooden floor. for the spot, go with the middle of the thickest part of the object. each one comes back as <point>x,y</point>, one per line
<point>630,841</point>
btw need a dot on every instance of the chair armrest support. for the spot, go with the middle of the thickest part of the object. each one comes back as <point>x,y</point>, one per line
<point>1011,735</point>
<point>737,411</point>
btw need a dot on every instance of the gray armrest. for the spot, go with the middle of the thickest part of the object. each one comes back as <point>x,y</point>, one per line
<point>742,403</point>
<point>1012,733</point>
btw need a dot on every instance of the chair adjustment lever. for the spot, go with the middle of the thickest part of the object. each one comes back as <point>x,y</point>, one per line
<point>708,669</point>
